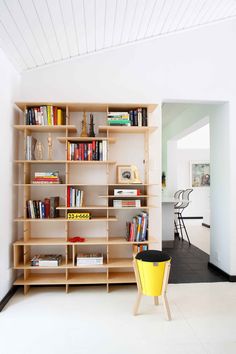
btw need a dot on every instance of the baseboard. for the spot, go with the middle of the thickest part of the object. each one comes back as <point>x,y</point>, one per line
<point>231,278</point>
<point>193,217</point>
<point>8,297</point>
<point>206,225</point>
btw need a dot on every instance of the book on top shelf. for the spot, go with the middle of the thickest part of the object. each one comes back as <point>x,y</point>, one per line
<point>135,117</point>
<point>44,115</point>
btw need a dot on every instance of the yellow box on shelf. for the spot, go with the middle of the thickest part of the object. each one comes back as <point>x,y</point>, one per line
<point>78,216</point>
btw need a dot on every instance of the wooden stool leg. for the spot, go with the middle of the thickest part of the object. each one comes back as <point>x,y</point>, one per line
<point>137,277</point>
<point>166,306</point>
<point>156,300</point>
<point>137,303</point>
<point>164,289</point>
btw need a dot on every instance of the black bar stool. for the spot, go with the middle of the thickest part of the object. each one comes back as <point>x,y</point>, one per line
<point>180,207</point>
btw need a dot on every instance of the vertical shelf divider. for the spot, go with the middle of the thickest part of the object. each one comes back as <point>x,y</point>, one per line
<point>107,204</point>
<point>67,122</point>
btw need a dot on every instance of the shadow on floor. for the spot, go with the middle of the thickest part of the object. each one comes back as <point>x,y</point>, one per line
<point>190,265</point>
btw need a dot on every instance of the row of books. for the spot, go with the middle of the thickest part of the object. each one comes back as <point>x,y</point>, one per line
<point>125,203</point>
<point>44,115</point>
<point>47,260</point>
<point>139,248</point>
<point>30,147</point>
<point>89,151</point>
<point>46,177</point>
<point>136,230</point>
<point>136,117</point>
<point>38,209</point>
<point>74,197</point>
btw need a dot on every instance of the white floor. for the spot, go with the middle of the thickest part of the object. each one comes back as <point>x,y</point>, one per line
<point>88,320</point>
<point>198,234</point>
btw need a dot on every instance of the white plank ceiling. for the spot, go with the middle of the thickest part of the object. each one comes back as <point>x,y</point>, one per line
<point>34,33</point>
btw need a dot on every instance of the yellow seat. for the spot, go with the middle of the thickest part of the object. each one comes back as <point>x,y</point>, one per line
<point>152,270</point>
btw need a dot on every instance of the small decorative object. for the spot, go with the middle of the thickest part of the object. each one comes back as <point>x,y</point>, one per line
<point>84,128</point>
<point>91,126</point>
<point>163,180</point>
<point>200,174</point>
<point>49,146</point>
<point>127,174</point>
<point>38,151</point>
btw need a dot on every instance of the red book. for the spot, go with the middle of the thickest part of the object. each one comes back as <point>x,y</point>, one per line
<point>94,150</point>
<point>82,152</point>
<point>89,152</point>
<point>76,153</point>
<point>68,196</point>
<point>54,115</point>
<point>47,207</point>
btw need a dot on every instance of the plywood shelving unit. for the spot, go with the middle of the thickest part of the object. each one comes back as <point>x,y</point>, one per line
<point>105,231</point>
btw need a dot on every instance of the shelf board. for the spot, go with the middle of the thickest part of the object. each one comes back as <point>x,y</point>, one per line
<point>78,139</point>
<point>40,185</point>
<point>63,265</point>
<point>93,219</point>
<point>46,128</point>
<point>124,129</point>
<point>104,207</point>
<point>87,278</point>
<point>42,279</point>
<point>120,263</point>
<point>65,161</point>
<point>121,277</point>
<point>127,196</point>
<point>42,241</point>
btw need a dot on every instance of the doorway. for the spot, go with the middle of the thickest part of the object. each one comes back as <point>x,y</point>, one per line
<point>186,165</point>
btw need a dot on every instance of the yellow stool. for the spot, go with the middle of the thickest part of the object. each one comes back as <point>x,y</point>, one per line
<point>152,269</point>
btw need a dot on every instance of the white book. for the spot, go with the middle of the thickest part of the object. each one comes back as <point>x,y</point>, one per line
<point>126,192</point>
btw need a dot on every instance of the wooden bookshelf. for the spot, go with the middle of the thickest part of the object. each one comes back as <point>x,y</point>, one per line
<point>105,231</point>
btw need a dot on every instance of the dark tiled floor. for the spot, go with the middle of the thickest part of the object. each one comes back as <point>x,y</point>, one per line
<point>190,265</point>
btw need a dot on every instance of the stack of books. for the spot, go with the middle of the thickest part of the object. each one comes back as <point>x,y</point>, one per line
<point>124,203</point>
<point>74,197</point>
<point>38,209</point>
<point>46,177</point>
<point>139,248</point>
<point>136,230</point>
<point>118,119</point>
<point>30,147</point>
<point>44,115</point>
<point>127,192</point>
<point>88,259</point>
<point>138,117</point>
<point>47,260</point>
<point>89,151</point>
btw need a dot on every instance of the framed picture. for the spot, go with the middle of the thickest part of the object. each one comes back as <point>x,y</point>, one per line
<point>200,173</point>
<point>127,174</point>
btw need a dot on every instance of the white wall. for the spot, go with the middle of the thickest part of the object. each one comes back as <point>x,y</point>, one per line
<point>200,197</point>
<point>195,65</point>
<point>8,85</point>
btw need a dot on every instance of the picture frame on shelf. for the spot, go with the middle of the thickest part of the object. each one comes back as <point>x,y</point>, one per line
<point>127,174</point>
<point>199,174</point>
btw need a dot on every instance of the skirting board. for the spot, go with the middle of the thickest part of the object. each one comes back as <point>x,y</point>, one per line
<point>8,297</point>
<point>231,278</point>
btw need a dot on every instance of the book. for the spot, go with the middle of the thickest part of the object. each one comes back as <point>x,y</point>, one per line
<point>44,115</point>
<point>119,203</point>
<point>136,230</point>
<point>54,203</point>
<point>127,192</point>
<point>86,259</point>
<point>49,260</point>
<point>30,147</point>
<point>95,150</point>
